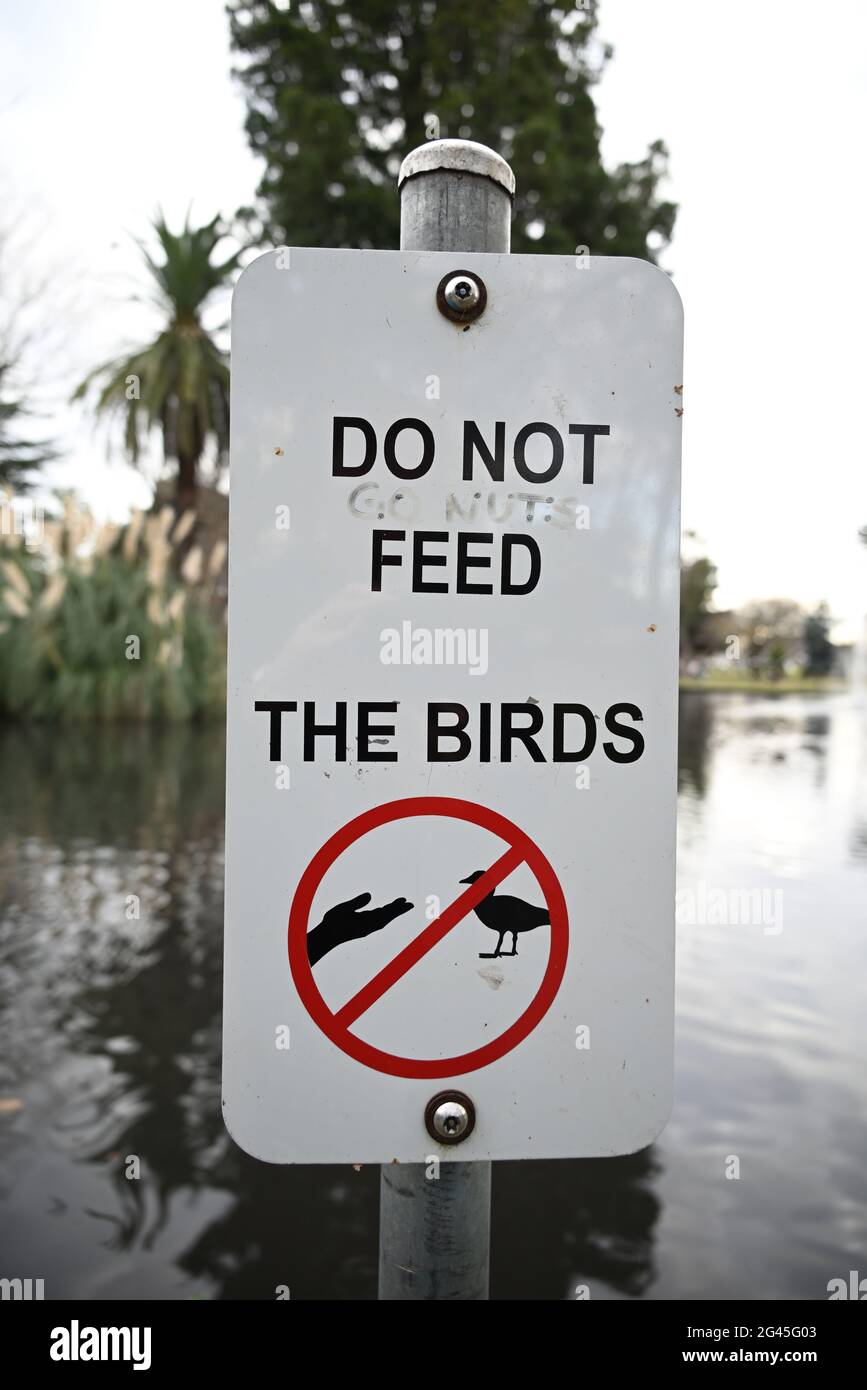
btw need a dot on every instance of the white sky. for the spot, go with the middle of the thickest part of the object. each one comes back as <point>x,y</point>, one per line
<point>111,107</point>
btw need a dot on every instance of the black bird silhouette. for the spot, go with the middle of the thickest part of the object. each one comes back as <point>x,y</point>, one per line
<point>506,916</point>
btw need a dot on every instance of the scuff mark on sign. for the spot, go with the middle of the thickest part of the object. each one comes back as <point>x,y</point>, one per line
<point>492,975</point>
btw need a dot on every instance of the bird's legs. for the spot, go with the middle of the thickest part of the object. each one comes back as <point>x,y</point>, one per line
<point>492,955</point>
<point>514,950</point>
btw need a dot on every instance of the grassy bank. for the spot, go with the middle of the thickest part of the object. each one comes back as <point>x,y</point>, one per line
<point>786,685</point>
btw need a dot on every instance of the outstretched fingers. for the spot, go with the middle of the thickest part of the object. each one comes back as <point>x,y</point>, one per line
<point>355,903</point>
<point>397,907</point>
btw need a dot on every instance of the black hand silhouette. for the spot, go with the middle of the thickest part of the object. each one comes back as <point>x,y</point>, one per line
<point>346,922</point>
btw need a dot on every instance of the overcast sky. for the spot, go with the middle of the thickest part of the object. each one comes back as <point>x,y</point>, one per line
<point>110,107</point>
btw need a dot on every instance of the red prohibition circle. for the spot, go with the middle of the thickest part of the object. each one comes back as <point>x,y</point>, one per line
<point>299,918</point>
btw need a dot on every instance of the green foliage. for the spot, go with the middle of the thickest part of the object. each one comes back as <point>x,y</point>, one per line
<point>772,630</point>
<point>105,635</point>
<point>697,584</point>
<point>775,658</point>
<point>20,453</point>
<point>19,457</point>
<point>818,647</point>
<point>338,93</point>
<point>179,383</point>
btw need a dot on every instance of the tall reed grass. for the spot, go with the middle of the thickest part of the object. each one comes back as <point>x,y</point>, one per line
<point>101,622</point>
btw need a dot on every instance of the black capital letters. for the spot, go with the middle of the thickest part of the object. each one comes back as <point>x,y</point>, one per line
<point>342,423</point>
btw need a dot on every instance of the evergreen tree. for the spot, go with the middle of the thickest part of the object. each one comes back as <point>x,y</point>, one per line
<point>338,91</point>
<point>20,455</point>
<point>697,584</point>
<point>818,647</point>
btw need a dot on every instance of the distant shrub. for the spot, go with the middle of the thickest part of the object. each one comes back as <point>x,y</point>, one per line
<point>107,623</point>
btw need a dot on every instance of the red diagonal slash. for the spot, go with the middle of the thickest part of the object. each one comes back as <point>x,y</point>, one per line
<point>427,939</point>
<point>522,850</point>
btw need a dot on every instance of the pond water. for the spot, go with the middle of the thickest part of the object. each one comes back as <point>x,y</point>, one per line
<point>110,1040</point>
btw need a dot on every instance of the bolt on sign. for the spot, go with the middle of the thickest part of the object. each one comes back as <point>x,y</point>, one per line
<point>453,608</point>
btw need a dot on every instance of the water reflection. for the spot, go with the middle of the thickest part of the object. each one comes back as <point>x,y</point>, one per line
<point>568,1224</point>
<point>110,977</point>
<point>694,736</point>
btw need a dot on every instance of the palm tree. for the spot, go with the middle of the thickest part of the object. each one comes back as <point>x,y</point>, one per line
<point>179,383</point>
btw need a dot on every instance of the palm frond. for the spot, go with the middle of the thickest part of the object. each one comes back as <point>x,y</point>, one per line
<point>177,384</point>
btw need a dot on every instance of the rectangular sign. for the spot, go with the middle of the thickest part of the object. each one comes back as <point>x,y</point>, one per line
<point>453,663</point>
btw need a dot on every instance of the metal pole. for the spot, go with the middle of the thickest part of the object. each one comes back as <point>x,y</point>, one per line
<point>455,195</point>
<point>435,1232</point>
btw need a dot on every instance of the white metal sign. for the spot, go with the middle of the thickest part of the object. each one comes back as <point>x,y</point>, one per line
<point>454,565</point>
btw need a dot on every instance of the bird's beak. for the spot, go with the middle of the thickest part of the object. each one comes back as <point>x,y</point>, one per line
<point>464,880</point>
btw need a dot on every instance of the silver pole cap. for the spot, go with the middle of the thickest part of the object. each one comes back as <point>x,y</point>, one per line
<point>459,157</point>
